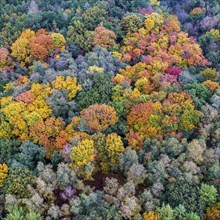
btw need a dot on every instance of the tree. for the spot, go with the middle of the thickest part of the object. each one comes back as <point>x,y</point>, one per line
<point>37,46</point>
<point>161,44</point>
<point>93,16</point>
<point>20,48</point>
<point>4,58</point>
<point>104,37</point>
<point>3,173</point>
<point>146,119</point>
<point>40,45</point>
<point>49,133</point>
<point>69,84</point>
<point>58,41</point>
<point>99,117</point>
<point>83,153</point>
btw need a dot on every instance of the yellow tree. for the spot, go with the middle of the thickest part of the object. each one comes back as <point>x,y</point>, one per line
<point>20,48</point>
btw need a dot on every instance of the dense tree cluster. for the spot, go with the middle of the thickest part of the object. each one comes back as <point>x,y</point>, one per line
<point>109,110</point>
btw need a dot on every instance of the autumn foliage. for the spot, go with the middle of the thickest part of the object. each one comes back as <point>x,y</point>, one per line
<point>151,216</point>
<point>3,173</point>
<point>99,117</point>
<point>36,46</point>
<point>120,120</point>
<point>104,37</point>
<point>4,58</point>
<point>40,45</point>
<point>161,44</point>
<point>83,153</point>
<point>174,114</point>
<point>27,116</point>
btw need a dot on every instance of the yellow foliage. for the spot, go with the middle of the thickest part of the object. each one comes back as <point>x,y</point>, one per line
<point>114,145</point>
<point>4,101</point>
<point>27,34</point>
<point>215,33</point>
<point>154,3</point>
<point>8,87</point>
<point>70,84</point>
<point>209,74</point>
<point>196,11</point>
<point>20,48</point>
<point>41,90</point>
<point>29,108</point>
<point>153,21</point>
<point>134,72</point>
<point>83,153</point>
<point>5,129</point>
<point>212,86</point>
<point>95,69</point>
<point>3,173</point>
<point>58,41</point>
<point>162,45</point>
<point>4,58</point>
<point>151,216</point>
<point>14,108</point>
<point>31,46</point>
<point>116,54</point>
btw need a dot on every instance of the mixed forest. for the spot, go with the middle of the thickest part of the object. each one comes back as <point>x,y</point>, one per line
<point>109,110</point>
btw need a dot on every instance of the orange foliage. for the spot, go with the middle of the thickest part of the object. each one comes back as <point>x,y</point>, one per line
<point>49,133</point>
<point>146,119</point>
<point>104,37</point>
<point>174,114</point>
<point>212,86</point>
<point>196,11</point>
<point>99,117</point>
<point>36,46</point>
<point>4,58</point>
<point>40,45</point>
<point>151,216</point>
<point>164,43</point>
<point>213,212</point>
<point>135,140</point>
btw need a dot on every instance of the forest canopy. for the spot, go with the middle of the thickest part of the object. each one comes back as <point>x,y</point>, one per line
<point>109,110</point>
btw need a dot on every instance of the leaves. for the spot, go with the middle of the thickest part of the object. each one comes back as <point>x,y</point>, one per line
<point>99,117</point>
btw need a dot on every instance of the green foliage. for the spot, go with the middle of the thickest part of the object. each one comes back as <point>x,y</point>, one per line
<point>180,213</point>
<point>17,181</point>
<point>131,144</point>
<point>31,154</point>
<point>18,213</point>
<point>166,212</point>
<point>8,148</point>
<point>100,92</point>
<point>93,16</point>
<point>185,194</point>
<point>200,94</point>
<point>33,216</point>
<point>208,194</point>
<point>92,207</point>
<point>131,23</point>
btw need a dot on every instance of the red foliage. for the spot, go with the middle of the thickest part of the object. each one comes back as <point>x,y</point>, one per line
<point>174,70</point>
<point>27,97</point>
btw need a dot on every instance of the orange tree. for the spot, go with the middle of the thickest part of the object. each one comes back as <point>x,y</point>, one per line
<point>99,117</point>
